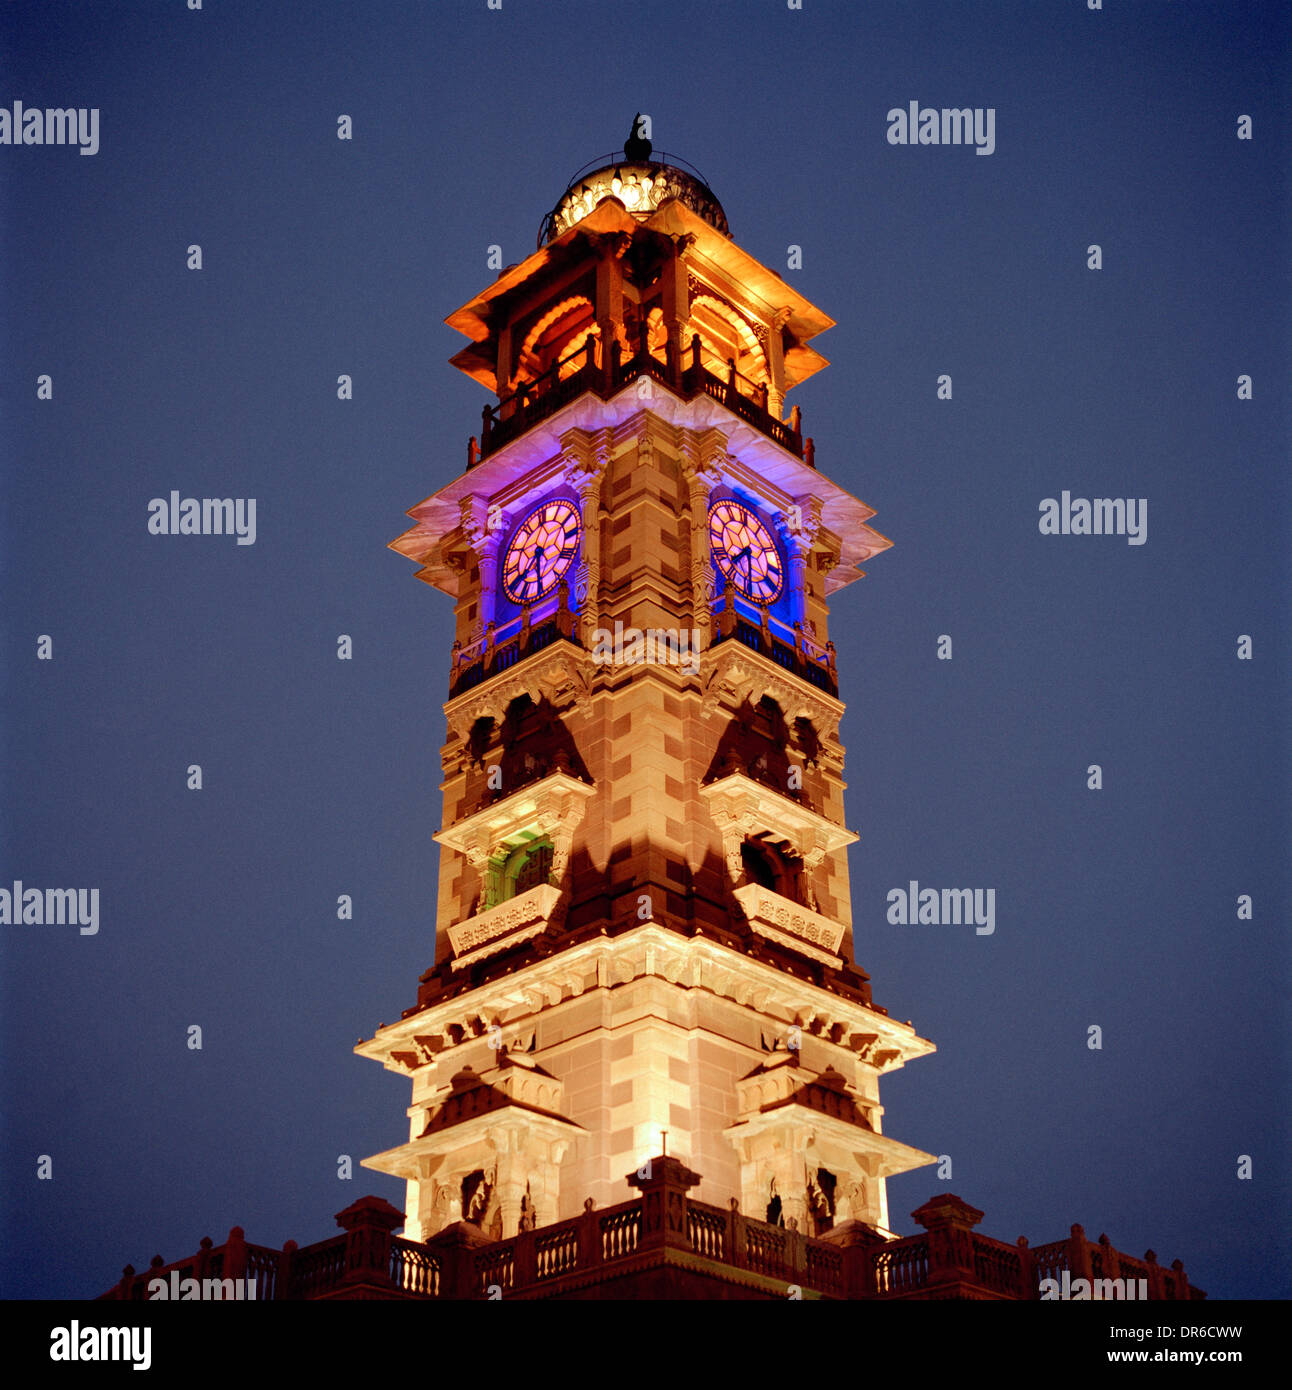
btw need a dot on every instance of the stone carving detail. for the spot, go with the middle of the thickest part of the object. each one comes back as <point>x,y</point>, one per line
<point>780,919</point>
<point>560,674</point>
<point>641,188</point>
<point>586,464</point>
<point>732,675</point>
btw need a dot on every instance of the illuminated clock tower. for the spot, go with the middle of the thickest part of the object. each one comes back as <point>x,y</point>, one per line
<point>643,938</point>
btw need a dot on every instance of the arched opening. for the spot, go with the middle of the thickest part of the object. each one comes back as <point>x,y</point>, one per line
<point>758,866</point>
<point>724,335</point>
<point>775,1217</point>
<point>518,868</point>
<point>820,1199</point>
<point>477,1194</point>
<point>561,331</point>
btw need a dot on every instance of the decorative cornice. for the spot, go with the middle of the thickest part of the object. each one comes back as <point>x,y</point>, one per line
<point>548,806</point>
<point>690,962</point>
<point>755,808</point>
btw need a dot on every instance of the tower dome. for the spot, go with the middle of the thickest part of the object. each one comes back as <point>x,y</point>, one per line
<point>640,183</point>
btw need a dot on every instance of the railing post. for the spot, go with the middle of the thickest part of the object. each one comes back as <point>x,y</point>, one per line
<point>1111,1264</point>
<point>664,1190</point>
<point>1079,1255</point>
<point>1181,1290</point>
<point>590,1252</point>
<point>203,1258</point>
<point>727,618</point>
<point>486,428</point>
<point>809,452</point>
<point>859,1244</point>
<point>473,452</point>
<point>731,377</point>
<point>695,356</point>
<point>564,618</point>
<point>1155,1279</point>
<point>762,397</point>
<point>796,1251</point>
<point>455,1247</point>
<point>949,1221</point>
<point>235,1255</point>
<point>367,1224</point>
<point>765,629</point>
<point>283,1281</point>
<point>735,1247</point>
<point>525,1260</point>
<point>796,420</point>
<point>612,376</point>
<point>1027,1285</point>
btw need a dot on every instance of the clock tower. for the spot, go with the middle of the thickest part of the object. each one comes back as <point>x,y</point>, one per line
<point>642,932</point>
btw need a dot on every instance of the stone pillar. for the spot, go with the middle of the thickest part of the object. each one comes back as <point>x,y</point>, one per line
<point>486,541</point>
<point>786,1169</point>
<point>368,1224</point>
<point>664,1201</point>
<point>585,471</point>
<point>513,1175</point>
<point>799,529</point>
<point>610,299</point>
<point>701,478</point>
<point>776,364</point>
<point>677,303</point>
<point>949,1222</point>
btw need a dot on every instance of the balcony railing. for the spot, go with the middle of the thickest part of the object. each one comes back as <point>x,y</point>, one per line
<point>588,368</point>
<point>946,1260</point>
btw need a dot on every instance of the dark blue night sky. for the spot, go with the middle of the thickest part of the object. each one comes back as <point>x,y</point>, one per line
<point>1115,908</point>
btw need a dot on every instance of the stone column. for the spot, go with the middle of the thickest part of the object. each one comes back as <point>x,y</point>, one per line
<point>677,301</point>
<point>702,476</point>
<point>786,1166</point>
<point>585,471</point>
<point>513,1174</point>
<point>949,1222</point>
<point>486,541</point>
<point>776,364</point>
<point>800,527</point>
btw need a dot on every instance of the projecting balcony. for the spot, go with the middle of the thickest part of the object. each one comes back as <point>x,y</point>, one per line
<point>501,648</point>
<point>791,650</point>
<point>587,368</point>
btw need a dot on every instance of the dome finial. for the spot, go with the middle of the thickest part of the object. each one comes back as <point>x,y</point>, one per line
<point>637,147</point>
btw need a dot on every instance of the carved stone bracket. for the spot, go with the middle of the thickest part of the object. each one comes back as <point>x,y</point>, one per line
<point>730,674</point>
<point>561,674</point>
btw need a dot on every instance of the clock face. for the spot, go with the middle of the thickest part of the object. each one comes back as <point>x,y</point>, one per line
<point>541,551</point>
<point>745,551</point>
